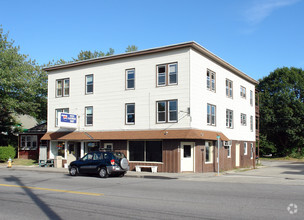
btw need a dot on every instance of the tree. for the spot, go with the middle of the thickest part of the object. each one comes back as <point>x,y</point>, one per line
<point>282,111</point>
<point>85,55</point>
<point>23,87</point>
<point>131,48</point>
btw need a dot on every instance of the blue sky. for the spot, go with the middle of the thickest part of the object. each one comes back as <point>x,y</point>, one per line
<point>255,36</point>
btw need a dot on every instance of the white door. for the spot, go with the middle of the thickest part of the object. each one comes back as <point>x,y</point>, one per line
<point>187,156</point>
<point>237,155</point>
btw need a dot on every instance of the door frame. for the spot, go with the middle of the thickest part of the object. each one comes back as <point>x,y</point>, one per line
<point>237,155</point>
<point>182,152</point>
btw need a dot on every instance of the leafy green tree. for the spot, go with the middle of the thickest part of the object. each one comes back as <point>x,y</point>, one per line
<point>131,48</point>
<point>282,111</point>
<point>85,55</point>
<point>23,87</point>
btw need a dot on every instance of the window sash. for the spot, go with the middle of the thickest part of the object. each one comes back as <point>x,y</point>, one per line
<point>89,84</point>
<point>251,123</point>
<point>211,114</point>
<point>229,88</point>
<point>229,152</point>
<point>145,151</point>
<point>65,110</point>
<point>229,118</point>
<point>167,111</point>
<point>29,142</point>
<point>245,148</point>
<point>66,87</point>
<point>243,119</point>
<point>130,82</point>
<point>172,74</point>
<point>89,115</point>
<point>172,114</point>
<point>251,97</point>
<point>161,75</point>
<point>62,87</point>
<point>161,111</point>
<point>130,113</point>
<point>167,74</point>
<point>210,80</point>
<point>243,92</point>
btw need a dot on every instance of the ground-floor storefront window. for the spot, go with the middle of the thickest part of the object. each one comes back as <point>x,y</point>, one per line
<point>148,151</point>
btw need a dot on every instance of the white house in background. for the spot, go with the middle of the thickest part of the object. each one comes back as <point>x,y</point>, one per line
<point>163,106</point>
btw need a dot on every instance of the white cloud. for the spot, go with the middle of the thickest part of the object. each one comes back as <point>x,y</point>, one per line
<point>263,8</point>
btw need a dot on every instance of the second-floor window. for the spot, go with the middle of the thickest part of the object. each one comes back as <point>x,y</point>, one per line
<point>211,80</point>
<point>243,119</point>
<point>89,84</point>
<point>211,114</point>
<point>167,74</point>
<point>243,92</point>
<point>251,123</point>
<point>65,110</point>
<point>62,87</point>
<point>229,118</point>
<point>166,111</point>
<point>89,115</point>
<point>130,79</point>
<point>251,97</point>
<point>229,90</point>
<point>130,113</point>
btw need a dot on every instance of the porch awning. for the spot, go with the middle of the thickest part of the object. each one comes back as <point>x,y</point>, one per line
<point>136,135</point>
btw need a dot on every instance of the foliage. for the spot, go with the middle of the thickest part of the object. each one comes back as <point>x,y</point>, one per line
<point>6,153</point>
<point>131,48</point>
<point>282,111</point>
<point>85,55</point>
<point>23,87</point>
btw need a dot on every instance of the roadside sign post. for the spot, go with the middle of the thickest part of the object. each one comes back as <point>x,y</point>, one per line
<point>218,155</point>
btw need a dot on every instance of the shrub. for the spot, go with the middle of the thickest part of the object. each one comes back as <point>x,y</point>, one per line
<point>6,153</point>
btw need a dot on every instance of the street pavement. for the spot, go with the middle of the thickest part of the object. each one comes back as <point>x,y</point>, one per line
<point>274,191</point>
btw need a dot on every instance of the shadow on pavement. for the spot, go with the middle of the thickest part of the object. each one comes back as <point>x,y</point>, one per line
<point>42,205</point>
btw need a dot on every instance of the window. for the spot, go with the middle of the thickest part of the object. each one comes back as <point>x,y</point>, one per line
<point>211,80</point>
<point>208,152</point>
<point>243,92</point>
<point>130,113</point>
<point>28,142</point>
<point>89,115</point>
<point>211,113</point>
<point>229,151</point>
<point>166,111</point>
<point>148,151</point>
<point>245,148</point>
<point>107,147</point>
<point>130,79</point>
<point>92,146</point>
<point>251,97</point>
<point>65,110</point>
<point>62,87</point>
<point>167,74</point>
<point>251,123</point>
<point>251,151</point>
<point>229,90</point>
<point>243,119</point>
<point>229,118</point>
<point>89,84</point>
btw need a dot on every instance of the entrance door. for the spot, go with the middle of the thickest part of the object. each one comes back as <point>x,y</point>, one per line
<point>187,156</point>
<point>237,155</point>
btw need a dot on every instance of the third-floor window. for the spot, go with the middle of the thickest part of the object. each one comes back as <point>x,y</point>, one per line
<point>211,80</point>
<point>243,92</point>
<point>229,89</point>
<point>167,74</point>
<point>62,87</point>
<point>89,84</point>
<point>130,79</point>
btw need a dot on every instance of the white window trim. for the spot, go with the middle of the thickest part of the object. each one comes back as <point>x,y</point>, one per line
<point>232,122</point>
<point>167,112</point>
<point>229,150</point>
<point>245,148</point>
<point>210,154</point>
<point>126,116</point>
<point>166,74</point>
<point>86,108</point>
<point>243,122</point>
<point>211,114</point>
<point>63,94</point>
<point>86,84</point>
<point>243,92</point>
<point>169,73</point>
<point>211,73</point>
<point>168,109</point>
<point>127,73</point>
<point>229,88</point>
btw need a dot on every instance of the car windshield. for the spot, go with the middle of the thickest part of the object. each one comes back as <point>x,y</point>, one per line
<point>119,155</point>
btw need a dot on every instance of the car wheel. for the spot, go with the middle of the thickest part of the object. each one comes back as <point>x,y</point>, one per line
<point>103,172</point>
<point>121,175</point>
<point>74,171</point>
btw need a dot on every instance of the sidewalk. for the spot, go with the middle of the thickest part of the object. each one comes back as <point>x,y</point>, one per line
<point>150,175</point>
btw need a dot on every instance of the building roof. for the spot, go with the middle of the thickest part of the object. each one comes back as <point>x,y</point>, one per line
<point>41,128</point>
<point>136,135</point>
<point>191,44</point>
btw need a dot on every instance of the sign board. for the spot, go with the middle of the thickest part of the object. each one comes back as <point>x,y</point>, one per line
<point>67,120</point>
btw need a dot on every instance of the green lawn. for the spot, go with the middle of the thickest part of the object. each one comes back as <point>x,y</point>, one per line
<point>24,162</point>
<point>283,159</point>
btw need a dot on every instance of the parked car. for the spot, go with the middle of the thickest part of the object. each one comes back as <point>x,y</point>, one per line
<point>101,163</point>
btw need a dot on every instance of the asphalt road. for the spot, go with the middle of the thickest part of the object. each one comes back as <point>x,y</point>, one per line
<point>41,195</point>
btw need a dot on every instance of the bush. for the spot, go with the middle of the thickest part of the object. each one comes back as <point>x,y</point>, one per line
<point>6,153</point>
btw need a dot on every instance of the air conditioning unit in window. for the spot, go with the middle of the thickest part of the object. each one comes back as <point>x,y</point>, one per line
<point>227,143</point>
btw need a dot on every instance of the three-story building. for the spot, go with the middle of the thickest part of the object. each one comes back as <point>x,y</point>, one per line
<point>164,107</point>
